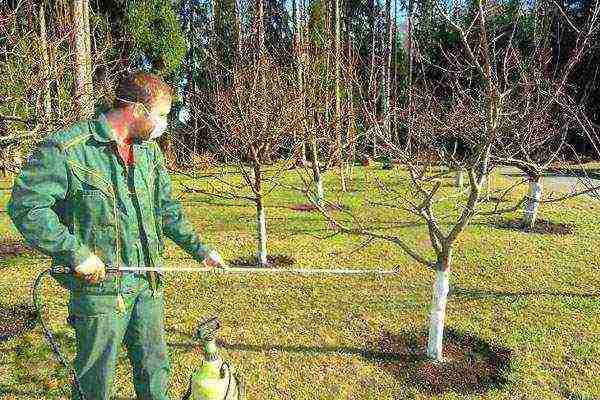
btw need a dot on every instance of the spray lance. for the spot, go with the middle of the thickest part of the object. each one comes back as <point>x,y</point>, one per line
<point>214,379</point>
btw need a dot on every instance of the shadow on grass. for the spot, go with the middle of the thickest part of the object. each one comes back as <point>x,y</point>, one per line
<point>471,366</point>
<point>496,199</point>
<point>16,319</point>
<point>273,261</point>
<point>309,207</point>
<point>560,173</point>
<point>10,248</point>
<point>593,173</point>
<point>25,394</point>
<point>372,228</point>
<point>568,394</point>
<point>542,226</point>
<point>474,294</point>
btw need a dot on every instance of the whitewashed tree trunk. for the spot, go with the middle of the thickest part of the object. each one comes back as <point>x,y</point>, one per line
<point>261,221</point>
<point>460,179</point>
<point>485,188</point>
<point>532,206</point>
<point>438,314</point>
<point>318,178</point>
<point>320,189</point>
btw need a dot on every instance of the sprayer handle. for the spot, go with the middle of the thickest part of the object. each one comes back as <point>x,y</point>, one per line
<point>61,270</point>
<point>66,270</point>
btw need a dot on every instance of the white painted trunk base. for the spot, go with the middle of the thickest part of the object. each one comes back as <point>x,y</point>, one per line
<point>438,314</point>
<point>459,179</point>
<point>261,221</point>
<point>320,191</point>
<point>532,206</point>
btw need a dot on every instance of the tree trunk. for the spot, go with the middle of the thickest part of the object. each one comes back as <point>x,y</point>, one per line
<point>410,70</point>
<point>459,179</point>
<point>338,96</point>
<point>238,28</point>
<point>438,314</point>
<point>83,89</point>
<point>46,95</point>
<point>372,83</point>
<point>317,173</point>
<point>351,123</point>
<point>387,72</point>
<point>485,186</point>
<point>88,45</point>
<point>394,124</point>
<point>532,205</point>
<point>299,46</point>
<point>261,222</point>
<point>261,28</point>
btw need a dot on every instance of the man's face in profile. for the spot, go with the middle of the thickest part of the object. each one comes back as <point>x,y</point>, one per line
<point>153,117</point>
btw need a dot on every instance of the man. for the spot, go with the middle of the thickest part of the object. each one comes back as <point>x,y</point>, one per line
<point>98,194</point>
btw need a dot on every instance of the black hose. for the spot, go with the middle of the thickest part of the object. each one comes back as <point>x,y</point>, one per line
<point>48,333</point>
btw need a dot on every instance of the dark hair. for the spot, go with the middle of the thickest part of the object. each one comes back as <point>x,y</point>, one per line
<point>141,87</point>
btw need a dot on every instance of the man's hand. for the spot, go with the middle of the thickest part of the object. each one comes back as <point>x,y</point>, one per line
<point>213,260</point>
<point>92,269</point>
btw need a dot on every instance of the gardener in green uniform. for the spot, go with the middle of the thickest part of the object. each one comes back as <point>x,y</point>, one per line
<point>96,195</point>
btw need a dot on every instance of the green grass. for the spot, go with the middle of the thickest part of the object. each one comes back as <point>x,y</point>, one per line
<point>313,337</point>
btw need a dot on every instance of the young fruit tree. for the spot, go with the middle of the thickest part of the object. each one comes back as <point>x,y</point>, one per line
<point>495,97</point>
<point>258,115</point>
<point>329,138</point>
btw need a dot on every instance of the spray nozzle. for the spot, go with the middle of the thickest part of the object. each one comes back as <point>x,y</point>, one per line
<point>207,329</point>
<point>206,333</point>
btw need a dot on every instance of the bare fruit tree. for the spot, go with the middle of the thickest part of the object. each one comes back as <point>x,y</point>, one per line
<point>502,106</point>
<point>257,116</point>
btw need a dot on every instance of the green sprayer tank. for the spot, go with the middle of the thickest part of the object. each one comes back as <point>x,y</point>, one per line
<point>213,379</point>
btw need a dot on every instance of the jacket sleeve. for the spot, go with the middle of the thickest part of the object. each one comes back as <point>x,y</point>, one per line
<point>176,226</point>
<point>43,181</point>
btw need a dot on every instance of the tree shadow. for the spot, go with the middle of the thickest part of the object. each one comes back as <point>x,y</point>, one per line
<point>309,207</point>
<point>593,173</point>
<point>475,294</point>
<point>471,366</point>
<point>25,394</point>
<point>542,226</point>
<point>16,319</point>
<point>569,394</point>
<point>10,248</point>
<point>560,173</point>
<point>373,228</point>
<point>273,261</point>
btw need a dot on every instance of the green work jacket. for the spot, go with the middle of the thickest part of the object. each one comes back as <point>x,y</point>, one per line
<point>72,198</point>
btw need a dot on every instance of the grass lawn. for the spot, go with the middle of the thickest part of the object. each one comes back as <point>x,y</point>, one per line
<point>533,298</point>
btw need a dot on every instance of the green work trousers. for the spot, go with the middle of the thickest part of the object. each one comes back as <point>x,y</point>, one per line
<point>100,330</point>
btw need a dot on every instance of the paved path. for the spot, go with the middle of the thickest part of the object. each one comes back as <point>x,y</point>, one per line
<point>561,183</point>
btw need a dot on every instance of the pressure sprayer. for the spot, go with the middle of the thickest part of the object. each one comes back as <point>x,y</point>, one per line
<point>214,379</point>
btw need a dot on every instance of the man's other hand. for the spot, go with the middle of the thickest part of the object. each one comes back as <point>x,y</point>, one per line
<point>92,269</point>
